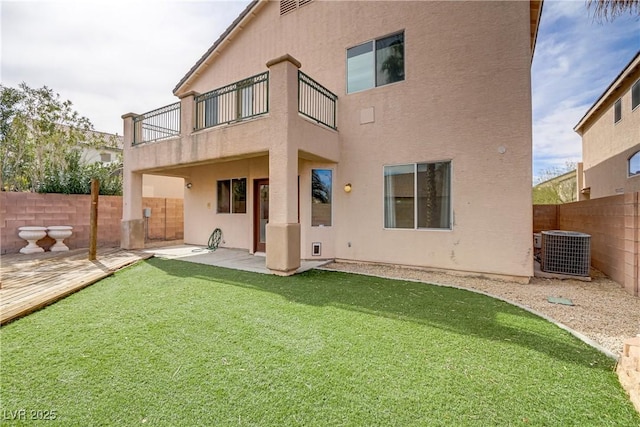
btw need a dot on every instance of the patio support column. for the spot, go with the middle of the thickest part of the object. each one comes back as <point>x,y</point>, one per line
<point>132,224</point>
<point>283,229</point>
<point>187,113</point>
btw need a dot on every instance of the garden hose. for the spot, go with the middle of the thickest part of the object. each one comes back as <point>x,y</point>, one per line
<point>214,239</point>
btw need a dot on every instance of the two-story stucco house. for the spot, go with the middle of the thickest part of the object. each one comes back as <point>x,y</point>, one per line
<point>610,132</point>
<point>384,131</point>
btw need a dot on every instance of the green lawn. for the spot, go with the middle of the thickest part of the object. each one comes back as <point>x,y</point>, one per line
<point>179,344</point>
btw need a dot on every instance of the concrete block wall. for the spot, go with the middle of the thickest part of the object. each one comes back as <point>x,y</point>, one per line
<point>614,225</point>
<point>603,219</point>
<point>33,209</point>
<point>632,242</point>
<point>545,217</point>
<point>167,218</point>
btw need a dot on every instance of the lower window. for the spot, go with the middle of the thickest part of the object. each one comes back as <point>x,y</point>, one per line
<point>232,196</point>
<point>418,195</point>
<point>634,164</point>
<point>321,188</point>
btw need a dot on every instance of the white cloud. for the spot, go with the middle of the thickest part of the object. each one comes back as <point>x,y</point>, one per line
<point>576,59</point>
<point>114,57</point>
<point>109,57</point>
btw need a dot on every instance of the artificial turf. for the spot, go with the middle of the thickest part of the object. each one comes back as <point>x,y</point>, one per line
<point>173,343</point>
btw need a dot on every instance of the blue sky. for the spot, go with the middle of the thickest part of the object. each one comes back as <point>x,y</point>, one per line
<point>111,57</point>
<point>576,59</point>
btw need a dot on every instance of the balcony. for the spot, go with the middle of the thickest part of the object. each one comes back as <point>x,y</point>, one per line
<point>239,119</point>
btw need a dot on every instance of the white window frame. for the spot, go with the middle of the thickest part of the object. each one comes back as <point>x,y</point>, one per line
<point>415,198</point>
<point>373,62</point>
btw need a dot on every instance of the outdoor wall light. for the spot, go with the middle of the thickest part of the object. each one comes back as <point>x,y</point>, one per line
<point>189,185</point>
<point>347,188</point>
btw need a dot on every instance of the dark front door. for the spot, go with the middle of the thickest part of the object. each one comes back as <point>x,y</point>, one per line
<point>260,214</point>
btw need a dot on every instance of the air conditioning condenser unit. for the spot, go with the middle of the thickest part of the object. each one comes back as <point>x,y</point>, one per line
<point>565,252</point>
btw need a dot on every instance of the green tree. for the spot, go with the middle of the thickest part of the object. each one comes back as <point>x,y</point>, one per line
<point>556,186</point>
<point>608,10</point>
<point>38,131</point>
<point>75,177</point>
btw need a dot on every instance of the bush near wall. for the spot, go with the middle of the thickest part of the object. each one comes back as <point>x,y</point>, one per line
<point>34,209</point>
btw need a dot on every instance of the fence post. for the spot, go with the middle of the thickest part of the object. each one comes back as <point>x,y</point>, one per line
<point>93,233</point>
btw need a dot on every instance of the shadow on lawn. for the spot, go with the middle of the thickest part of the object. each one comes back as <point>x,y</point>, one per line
<point>460,311</point>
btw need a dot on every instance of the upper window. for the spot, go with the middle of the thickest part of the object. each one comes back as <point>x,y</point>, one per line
<point>617,111</point>
<point>634,164</point>
<point>635,95</point>
<point>417,195</point>
<point>375,63</point>
<point>321,186</point>
<point>232,196</point>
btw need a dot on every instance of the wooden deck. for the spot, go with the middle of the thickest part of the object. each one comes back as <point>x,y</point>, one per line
<point>30,282</point>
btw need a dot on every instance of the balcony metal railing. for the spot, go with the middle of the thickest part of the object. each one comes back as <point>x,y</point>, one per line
<point>316,101</point>
<point>158,124</point>
<point>237,101</point>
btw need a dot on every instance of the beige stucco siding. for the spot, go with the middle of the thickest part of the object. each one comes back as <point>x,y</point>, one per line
<point>606,146</point>
<point>162,186</point>
<point>201,216</point>
<point>610,176</point>
<point>466,98</point>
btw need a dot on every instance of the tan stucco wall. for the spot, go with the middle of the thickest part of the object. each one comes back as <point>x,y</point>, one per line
<point>200,203</point>
<point>606,146</point>
<point>162,186</point>
<point>610,176</point>
<point>466,98</point>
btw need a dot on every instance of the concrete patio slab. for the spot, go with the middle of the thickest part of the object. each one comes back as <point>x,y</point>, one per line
<point>237,259</point>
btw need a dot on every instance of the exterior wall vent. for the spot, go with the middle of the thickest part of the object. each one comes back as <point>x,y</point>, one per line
<point>316,249</point>
<point>566,252</point>
<point>287,6</point>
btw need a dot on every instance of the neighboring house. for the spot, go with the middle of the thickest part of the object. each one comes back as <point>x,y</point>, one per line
<point>111,152</point>
<point>610,132</point>
<point>395,132</point>
<point>560,189</point>
<point>107,153</point>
